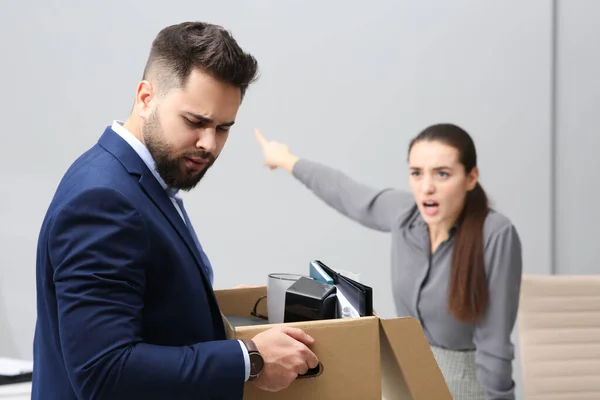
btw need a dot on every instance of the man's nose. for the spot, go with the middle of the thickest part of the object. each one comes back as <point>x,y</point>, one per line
<point>207,140</point>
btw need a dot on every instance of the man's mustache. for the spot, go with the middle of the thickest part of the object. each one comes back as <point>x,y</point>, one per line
<point>207,155</point>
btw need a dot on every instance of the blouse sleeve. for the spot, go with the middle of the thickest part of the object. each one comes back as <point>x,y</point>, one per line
<point>494,348</point>
<point>374,208</point>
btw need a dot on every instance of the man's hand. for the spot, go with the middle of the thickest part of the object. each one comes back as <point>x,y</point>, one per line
<point>277,155</point>
<point>286,355</point>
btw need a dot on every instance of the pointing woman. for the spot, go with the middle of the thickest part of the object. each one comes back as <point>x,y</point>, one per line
<point>455,263</point>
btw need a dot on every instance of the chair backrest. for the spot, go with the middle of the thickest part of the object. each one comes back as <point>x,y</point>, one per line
<point>559,337</point>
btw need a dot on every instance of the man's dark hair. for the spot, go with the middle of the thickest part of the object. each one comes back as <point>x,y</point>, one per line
<point>178,49</point>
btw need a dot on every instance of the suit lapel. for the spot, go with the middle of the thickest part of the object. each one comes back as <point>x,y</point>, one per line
<point>163,202</point>
<point>114,144</point>
<point>159,196</point>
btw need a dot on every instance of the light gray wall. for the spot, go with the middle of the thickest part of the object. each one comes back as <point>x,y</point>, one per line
<point>342,82</point>
<point>577,139</point>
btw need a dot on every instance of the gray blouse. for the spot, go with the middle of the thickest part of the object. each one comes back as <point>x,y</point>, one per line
<point>420,282</point>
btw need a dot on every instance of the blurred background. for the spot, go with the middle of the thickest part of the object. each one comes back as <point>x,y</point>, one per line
<point>347,83</point>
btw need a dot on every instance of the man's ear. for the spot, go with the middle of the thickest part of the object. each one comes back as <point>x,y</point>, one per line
<point>144,97</point>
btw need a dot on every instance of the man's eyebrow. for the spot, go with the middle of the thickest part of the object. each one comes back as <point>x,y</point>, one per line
<point>207,120</point>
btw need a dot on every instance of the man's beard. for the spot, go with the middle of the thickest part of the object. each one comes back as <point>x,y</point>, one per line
<point>171,167</point>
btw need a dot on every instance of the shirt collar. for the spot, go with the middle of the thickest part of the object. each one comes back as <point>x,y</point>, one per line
<point>143,152</point>
<point>419,221</point>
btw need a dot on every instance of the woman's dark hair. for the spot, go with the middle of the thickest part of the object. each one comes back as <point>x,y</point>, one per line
<point>468,292</point>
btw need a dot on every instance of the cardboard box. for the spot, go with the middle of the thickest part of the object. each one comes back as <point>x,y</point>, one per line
<point>362,358</point>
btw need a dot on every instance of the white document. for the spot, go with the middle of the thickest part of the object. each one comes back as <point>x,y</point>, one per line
<point>345,305</point>
<point>14,367</point>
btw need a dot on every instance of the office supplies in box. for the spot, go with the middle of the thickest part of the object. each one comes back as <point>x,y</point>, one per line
<point>310,300</point>
<point>350,292</point>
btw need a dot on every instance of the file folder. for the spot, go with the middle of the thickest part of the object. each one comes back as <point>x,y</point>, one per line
<point>15,371</point>
<point>360,296</point>
<point>317,273</point>
<point>10,379</point>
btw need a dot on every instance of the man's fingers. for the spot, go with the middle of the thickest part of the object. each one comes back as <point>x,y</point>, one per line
<point>311,360</point>
<point>298,334</point>
<point>261,139</point>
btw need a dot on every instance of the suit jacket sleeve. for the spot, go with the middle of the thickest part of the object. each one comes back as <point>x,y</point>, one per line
<point>99,249</point>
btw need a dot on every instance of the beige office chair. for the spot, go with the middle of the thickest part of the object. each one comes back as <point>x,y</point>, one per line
<point>559,337</point>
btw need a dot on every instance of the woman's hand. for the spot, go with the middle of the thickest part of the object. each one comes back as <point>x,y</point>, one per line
<point>277,155</point>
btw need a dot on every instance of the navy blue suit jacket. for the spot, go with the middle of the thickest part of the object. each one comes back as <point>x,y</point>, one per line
<point>125,310</point>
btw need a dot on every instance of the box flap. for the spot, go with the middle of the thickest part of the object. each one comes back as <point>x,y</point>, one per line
<point>409,369</point>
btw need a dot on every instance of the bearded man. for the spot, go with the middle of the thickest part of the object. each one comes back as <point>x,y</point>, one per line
<point>125,303</point>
